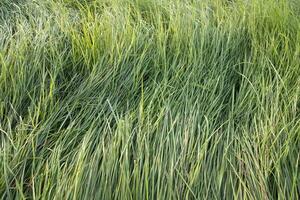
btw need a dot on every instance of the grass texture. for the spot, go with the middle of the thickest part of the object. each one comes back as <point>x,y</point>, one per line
<point>150,99</point>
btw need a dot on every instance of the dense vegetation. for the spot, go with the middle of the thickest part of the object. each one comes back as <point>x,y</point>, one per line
<point>149,99</point>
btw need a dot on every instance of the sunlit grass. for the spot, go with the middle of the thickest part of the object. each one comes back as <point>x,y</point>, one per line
<point>140,99</point>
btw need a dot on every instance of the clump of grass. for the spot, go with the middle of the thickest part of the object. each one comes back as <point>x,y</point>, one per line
<point>149,99</point>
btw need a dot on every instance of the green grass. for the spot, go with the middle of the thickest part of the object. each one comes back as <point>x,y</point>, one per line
<point>150,99</point>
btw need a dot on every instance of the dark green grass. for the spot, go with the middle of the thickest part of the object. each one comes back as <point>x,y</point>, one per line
<point>140,99</point>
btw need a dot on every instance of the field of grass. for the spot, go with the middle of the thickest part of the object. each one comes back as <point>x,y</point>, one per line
<point>149,99</point>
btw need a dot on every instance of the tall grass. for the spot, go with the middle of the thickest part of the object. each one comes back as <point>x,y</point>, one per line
<point>149,99</point>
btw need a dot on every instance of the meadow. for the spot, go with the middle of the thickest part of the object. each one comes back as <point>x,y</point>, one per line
<point>150,99</point>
